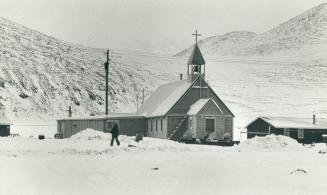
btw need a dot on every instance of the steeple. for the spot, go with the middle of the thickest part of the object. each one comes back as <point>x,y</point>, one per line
<point>195,62</point>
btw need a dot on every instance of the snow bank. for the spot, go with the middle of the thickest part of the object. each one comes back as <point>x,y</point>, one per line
<point>90,134</point>
<point>92,142</point>
<point>270,142</point>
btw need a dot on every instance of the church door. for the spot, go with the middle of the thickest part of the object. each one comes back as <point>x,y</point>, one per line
<point>210,125</point>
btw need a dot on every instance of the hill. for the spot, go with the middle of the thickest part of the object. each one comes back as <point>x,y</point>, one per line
<point>41,76</point>
<point>305,30</point>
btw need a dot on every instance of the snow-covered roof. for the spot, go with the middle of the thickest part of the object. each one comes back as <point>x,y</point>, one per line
<point>196,57</point>
<point>198,105</point>
<point>109,116</point>
<point>292,122</point>
<point>164,98</point>
<point>4,120</point>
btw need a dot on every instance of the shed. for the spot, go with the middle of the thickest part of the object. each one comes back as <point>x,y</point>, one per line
<point>4,126</point>
<point>304,130</point>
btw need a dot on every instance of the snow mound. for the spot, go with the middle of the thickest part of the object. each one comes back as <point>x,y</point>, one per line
<point>270,142</point>
<point>90,134</point>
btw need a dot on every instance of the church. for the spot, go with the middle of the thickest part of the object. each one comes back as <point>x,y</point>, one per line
<point>184,108</point>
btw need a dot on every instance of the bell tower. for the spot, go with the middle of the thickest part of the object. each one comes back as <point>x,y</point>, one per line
<point>196,63</point>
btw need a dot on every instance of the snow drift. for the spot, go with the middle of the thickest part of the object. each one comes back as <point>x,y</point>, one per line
<point>270,142</point>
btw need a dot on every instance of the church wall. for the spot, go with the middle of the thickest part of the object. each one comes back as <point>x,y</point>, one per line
<point>158,128</point>
<point>229,120</point>
<point>172,122</point>
<point>183,105</point>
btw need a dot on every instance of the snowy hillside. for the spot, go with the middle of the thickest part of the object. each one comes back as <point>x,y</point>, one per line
<point>41,76</point>
<point>306,30</point>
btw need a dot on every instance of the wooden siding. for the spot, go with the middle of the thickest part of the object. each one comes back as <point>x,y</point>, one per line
<point>261,126</point>
<point>194,94</point>
<point>210,109</point>
<point>172,122</point>
<point>200,127</point>
<point>229,125</point>
<point>126,126</point>
<point>156,133</point>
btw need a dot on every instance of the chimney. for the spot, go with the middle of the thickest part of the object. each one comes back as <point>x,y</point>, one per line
<point>314,119</point>
<point>69,111</point>
<point>181,76</point>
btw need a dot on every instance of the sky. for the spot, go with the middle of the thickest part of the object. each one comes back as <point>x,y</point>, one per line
<point>157,26</point>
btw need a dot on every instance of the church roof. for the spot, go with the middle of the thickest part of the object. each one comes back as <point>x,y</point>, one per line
<point>198,105</point>
<point>164,98</point>
<point>196,57</point>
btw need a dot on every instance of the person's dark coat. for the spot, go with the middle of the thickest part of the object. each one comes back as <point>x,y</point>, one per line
<point>115,131</point>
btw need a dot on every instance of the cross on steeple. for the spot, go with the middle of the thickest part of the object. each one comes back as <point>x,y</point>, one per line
<point>196,36</point>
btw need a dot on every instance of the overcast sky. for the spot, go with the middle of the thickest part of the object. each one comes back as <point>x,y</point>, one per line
<point>159,26</point>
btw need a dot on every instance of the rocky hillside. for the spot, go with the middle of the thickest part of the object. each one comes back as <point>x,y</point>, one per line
<point>306,30</point>
<point>42,76</point>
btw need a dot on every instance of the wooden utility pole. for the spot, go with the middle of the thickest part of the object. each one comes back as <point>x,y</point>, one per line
<point>69,111</point>
<point>106,66</point>
<point>143,96</point>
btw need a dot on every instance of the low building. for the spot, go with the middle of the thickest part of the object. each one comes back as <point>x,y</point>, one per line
<point>304,130</point>
<point>129,124</point>
<point>4,126</point>
<point>185,105</point>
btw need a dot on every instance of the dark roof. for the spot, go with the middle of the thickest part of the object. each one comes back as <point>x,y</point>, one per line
<point>196,57</point>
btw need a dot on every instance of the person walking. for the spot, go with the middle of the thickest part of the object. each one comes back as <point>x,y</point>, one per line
<point>114,135</point>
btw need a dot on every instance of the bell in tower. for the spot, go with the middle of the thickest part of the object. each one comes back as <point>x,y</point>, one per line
<point>195,63</point>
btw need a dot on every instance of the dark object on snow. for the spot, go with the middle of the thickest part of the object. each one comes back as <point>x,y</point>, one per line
<point>58,136</point>
<point>155,168</point>
<point>138,137</point>
<point>298,171</point>
<point>114,135</point>
<point>41,137</point>
<point>321,152</point>
<point>14,135</point>
<point>130,145</point>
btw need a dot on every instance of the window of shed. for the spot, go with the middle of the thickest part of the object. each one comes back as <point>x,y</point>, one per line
<point>300,133</point>
<point>151,125</point>
<point>156,125</point>
<point>287,132</point>
<point>191,123</point>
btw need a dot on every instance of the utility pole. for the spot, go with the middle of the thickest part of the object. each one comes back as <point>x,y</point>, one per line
<point>137,104</point>
<point>143,96</point>
<point>106,67</point>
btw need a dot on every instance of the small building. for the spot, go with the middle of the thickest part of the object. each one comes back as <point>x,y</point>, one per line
<point>4,126</point>
<point>304,130</point>
<point>173,109</point>
<point>129,124</point>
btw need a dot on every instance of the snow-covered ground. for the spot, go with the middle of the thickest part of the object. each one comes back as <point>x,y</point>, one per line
<point>85,164</point>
